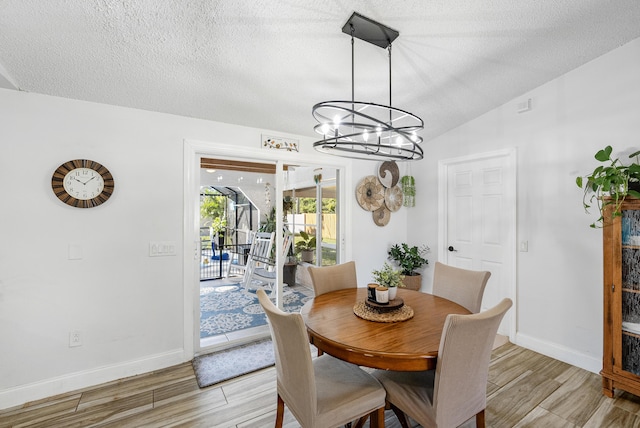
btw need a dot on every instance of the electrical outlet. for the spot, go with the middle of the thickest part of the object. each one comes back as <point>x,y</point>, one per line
<point>75,339</point>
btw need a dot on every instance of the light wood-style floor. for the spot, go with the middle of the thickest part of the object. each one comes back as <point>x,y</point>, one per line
<point>525,389</point>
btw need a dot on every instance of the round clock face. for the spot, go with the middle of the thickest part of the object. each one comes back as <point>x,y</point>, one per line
<point>82,183</point>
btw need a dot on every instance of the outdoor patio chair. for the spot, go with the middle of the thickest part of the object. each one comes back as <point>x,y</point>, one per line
<point>265,274</point>
<point>258,255</point>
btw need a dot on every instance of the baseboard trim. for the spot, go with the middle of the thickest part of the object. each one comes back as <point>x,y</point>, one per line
<point>559,352</point>
<point>22,394</point>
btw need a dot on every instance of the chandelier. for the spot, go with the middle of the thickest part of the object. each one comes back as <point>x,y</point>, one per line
<point>364,130</point>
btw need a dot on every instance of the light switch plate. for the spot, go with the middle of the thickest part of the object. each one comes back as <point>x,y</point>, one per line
<point>162,248</point>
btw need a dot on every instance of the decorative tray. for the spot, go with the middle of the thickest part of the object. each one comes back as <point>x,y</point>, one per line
<point>363,310</point>
<point>392,305</point>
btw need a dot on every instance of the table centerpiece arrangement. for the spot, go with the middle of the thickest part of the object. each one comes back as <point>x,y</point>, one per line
<point>382,303</point>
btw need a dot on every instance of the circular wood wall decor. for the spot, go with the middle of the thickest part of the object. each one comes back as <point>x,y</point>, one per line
<point>370,193</point>
<point>381,216</point>
<point>82,183</point>
<point>389,173</point>
<point>393,198</point>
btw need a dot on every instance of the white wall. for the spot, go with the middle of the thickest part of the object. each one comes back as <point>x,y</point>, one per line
<point>559,284</point>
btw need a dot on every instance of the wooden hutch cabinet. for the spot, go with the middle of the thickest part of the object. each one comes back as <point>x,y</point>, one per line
<point>621,251</point>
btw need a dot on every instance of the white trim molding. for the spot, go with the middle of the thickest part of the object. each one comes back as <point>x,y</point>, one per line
<point>12,397</point>
<point>559,352</point>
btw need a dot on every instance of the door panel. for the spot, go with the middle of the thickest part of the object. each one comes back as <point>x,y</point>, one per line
<point>479,217</point>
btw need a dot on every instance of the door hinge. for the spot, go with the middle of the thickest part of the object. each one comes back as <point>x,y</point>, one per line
<point>613,361</point>
<point>613,288</point>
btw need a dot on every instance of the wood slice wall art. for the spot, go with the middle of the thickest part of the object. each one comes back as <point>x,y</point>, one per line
<point>381,193</point>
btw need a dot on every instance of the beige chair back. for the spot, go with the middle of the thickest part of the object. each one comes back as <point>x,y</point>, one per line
<point>460,387</point>
<point>294,368</point>
<point>331,278</point>
<point>465,287</point>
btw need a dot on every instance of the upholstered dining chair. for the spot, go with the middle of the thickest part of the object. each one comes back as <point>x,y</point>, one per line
<point>457,389</point>
<point>463,286</point>
<point>331,278</point>
<point>320,392</point>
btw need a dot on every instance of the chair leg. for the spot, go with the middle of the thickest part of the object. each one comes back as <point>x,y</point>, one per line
<point>377,418</point>
<point>360,422</point>
<point>480,419</point>
<point>402,418</point>
<point>279,412</point>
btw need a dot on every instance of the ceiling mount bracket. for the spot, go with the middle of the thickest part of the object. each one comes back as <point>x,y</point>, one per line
<point>369,30</point>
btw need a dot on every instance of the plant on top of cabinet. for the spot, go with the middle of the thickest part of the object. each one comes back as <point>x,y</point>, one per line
<point>609,184</point>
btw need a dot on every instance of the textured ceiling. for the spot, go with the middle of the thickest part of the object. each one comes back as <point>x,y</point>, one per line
<point>265,63</point>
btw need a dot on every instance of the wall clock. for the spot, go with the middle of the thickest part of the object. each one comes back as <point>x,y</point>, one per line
<point>82,183</point>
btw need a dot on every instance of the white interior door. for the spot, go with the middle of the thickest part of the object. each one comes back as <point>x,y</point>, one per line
<point>478,223</point>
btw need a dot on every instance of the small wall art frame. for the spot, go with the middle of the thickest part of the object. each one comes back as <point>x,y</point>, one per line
<point>280,143</point>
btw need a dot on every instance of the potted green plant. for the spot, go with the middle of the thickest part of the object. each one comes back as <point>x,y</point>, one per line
<point>305,246</point>
<point>219,225</point>
<point>269,223</point>
<point>609,184</point>
<point>388,277</point>
<point>409,259</point>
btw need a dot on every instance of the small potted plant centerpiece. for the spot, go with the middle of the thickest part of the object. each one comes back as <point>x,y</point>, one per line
<point>388,277</point>
<point>306,246</point>
<point>610,184</point>
<point>409,259</point>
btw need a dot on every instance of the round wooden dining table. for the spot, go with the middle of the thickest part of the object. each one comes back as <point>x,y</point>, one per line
<point>410,345</point>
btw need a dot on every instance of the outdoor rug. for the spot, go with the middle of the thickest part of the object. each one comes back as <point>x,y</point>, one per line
<point>230,363</point>
<point>231,307</point>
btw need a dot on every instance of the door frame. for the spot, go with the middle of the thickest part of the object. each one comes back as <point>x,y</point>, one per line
<point>193,150</point>
<point>511,212</point>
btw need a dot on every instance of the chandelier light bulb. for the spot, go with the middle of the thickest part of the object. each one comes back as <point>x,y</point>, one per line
<point>365,136</point>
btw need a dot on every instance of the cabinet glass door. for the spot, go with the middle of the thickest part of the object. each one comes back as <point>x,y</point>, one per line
<point>630,292</point>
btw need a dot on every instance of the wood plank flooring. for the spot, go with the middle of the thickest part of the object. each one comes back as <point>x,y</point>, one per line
<point>525,389</point>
